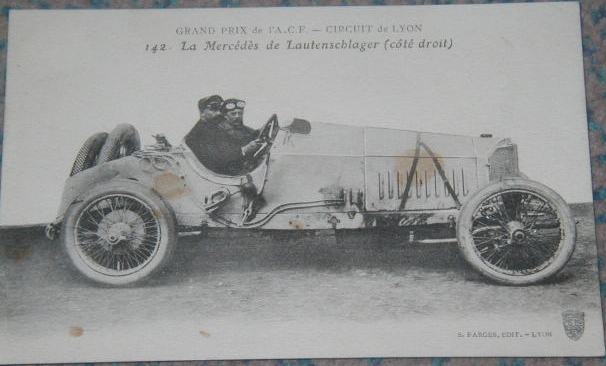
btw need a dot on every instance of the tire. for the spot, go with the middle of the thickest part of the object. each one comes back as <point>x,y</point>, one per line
<point>516,232</point>
<point>122,141</point>
<point>88,153</point>
<point>120,233</point>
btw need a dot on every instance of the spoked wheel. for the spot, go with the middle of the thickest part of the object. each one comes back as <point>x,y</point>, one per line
<point>516,232</point>
<point>119,234</point>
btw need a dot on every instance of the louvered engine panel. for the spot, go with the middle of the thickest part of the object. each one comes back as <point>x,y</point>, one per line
<point>387,179</point>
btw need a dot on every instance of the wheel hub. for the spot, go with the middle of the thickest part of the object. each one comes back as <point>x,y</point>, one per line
<point>516,232</point>
<point>120,227</point>
<point>118,232</point>
<point>519,235</point>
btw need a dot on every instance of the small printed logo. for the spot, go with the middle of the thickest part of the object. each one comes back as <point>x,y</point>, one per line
<point>574,324</point>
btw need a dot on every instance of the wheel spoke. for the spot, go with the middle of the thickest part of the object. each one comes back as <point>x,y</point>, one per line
<point>545,249</point>
<point>503,257</point>
<point>84,231</point>
<point>530,226</point>
<point>490,239</point>
<point>503,209</point>
<point>494,253</point>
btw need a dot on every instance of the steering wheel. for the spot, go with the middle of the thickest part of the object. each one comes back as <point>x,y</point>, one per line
<point>267,135</point>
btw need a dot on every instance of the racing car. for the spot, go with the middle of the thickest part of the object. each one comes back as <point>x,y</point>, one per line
<point>123,206</point>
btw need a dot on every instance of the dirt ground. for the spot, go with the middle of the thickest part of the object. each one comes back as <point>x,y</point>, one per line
<point>280,277</point>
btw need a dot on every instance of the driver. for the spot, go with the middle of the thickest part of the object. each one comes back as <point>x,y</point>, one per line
<point>220,139</point>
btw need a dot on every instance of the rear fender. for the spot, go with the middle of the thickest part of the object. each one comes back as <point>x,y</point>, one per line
<point>168,183</point>
<point>77,185</point>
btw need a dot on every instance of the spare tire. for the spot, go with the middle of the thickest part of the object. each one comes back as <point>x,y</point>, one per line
<point>88,153</point>
<point>122,141</point>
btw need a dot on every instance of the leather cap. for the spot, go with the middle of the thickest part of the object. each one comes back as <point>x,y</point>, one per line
<point>202,103</point>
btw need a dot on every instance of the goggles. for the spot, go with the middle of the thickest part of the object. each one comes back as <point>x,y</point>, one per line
<point>231,105</point>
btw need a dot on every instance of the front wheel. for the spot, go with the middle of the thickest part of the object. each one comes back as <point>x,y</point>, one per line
<point>516,232</point>
<point>119,233</point>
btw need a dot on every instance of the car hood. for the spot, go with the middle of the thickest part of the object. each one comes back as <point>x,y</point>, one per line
<point>341,140</point>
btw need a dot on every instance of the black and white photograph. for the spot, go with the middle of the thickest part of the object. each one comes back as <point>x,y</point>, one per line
<point>327,182</point>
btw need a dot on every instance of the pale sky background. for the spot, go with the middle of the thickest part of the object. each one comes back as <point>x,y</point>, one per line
<point>514,71</point>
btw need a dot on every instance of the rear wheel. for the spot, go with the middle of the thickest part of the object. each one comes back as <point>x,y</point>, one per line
<point>516,232</point>
<point>120,233</point>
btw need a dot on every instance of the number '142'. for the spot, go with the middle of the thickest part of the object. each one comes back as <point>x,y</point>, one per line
<point>156,47</point>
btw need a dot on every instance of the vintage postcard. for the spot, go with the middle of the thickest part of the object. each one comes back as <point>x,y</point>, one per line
<point>297,183</point>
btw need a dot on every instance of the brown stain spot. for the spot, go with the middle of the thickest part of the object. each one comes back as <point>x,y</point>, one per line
<point>76,331</point>
<point>17,252</point>
<point>205,334</point>
<point>170,186</point>
<point>157,212</point>
<point>331,192</point>
<point>296,224</point>
<point>403,164</point>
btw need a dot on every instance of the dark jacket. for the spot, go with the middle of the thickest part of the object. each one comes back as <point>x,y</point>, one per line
<point>218,144</point>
